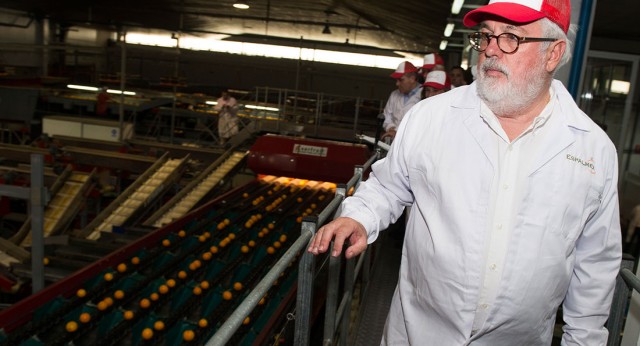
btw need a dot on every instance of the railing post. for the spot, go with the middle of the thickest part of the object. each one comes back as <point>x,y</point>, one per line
<point>333,283</point>
<point>38,197</point>
<point>319,108</point>
<point>304,299</point>
<point>355,118</point>
<point>349,278</point>
<point>619,304</point>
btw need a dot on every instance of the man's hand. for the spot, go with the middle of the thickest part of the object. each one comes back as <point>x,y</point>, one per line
<point>341,229</point>
<point>391,133</point>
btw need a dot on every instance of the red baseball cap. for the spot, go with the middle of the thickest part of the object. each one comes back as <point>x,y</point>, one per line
<point>404,67</point>
<point>431,60</point>
<point>523,11</point>
<point>438,80</point>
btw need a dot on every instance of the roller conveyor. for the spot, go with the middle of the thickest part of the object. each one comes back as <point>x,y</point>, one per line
<point>63,206</point>
<point>180,282</point>
<point>7,260</point>
<point>139,195</point>
<point>183,202</point>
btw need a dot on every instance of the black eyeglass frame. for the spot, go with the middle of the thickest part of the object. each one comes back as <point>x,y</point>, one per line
<point>472,38</point>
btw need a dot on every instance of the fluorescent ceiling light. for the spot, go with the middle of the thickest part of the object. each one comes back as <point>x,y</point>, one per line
<point>620,87</point>
<point>213,103</point>
<point>242,5</point>
<point>90,88</point>
<point>81,87</point>
<point>262,108</point>
<point>456,6</point>
<point>448,30</point>
<point>215,44</point>
<point>443,44</point>
<point>116,91</point>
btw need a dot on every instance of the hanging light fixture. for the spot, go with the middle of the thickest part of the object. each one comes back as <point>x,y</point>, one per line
<point>456,6</point>
<point>448,30</point>
<point>242,5</point>
<point>327,29</point>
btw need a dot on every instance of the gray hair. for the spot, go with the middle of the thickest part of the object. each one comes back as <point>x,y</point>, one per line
<point>551,29</point>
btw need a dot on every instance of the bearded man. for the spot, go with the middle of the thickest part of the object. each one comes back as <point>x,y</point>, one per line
<point>514,198</point>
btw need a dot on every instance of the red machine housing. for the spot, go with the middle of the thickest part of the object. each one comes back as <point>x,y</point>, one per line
<point>306,158</point>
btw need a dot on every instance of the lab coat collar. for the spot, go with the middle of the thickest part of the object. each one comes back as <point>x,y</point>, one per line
<point>568,109</point>
<point>574,117</point>
<point>566,116</point>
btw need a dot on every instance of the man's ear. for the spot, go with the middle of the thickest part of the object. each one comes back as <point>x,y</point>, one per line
<point>554,54</point>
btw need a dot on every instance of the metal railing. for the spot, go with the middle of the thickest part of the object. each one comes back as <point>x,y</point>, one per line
<point>334,318</point>
<point>313,109</point>
<point>625,281</point>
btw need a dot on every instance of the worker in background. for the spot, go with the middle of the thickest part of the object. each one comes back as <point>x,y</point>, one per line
<point>102,102</point>
<point>514,198</point>
<point>227,108</point>
<point>458,76</point>
<point>407,94</point>
<point>431,62</point>
<point>437,82</point>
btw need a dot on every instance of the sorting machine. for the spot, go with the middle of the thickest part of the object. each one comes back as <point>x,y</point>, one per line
<point>178,283</point>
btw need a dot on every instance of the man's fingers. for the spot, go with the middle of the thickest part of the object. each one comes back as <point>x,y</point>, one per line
<point>358,244</point>
<point>339,231</point>
<point>321,240</point>
<point>338,242</point>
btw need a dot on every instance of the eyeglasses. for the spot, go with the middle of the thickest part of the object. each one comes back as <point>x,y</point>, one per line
<point>507,42</point>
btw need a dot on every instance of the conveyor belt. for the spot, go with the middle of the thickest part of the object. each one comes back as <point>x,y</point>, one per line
<point>7,260</point>
<point>180,282</point>
<point>140,194</point>
<point>64,205</point>
<point>192,194</point>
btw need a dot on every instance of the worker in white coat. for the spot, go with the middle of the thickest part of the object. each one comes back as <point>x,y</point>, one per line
<point>407,94</point>
<point>227,107</point>
<point>514,198</point>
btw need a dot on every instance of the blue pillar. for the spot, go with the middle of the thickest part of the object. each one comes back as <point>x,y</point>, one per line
<point>580,46</point>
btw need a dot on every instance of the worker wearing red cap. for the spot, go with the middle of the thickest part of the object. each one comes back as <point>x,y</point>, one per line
<point>436,83</point>
<point>432,62</point>
<point>513,195</point>
<point>406,95</point>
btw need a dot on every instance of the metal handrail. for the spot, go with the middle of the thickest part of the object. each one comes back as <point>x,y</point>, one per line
<point>334,317</point>
<point>631,279</point>
<point>231,325</point>
<point>305,273</point>
<point>626,279</point>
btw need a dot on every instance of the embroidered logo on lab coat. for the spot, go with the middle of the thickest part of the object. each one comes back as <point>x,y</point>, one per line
<point>586,163</point>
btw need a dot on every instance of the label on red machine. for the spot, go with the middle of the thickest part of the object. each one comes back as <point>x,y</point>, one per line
<point>310,150</point>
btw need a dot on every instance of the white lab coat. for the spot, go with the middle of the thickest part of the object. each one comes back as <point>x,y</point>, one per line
<point>565,241</point>
<point>397,107</point>
<point>227,117</point>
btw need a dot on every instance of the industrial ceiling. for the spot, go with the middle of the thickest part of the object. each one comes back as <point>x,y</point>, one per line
<point>407,25</point>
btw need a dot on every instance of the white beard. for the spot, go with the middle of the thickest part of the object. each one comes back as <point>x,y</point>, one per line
<point>513,96</point>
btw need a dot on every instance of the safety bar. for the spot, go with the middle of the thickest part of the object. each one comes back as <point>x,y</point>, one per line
<point>305,274</point>
<point>234,321</point>
<point>336,319</point>
<point>624,282</point>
